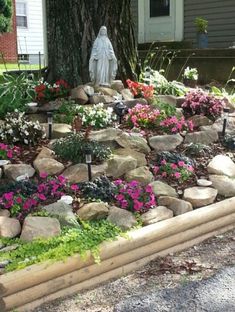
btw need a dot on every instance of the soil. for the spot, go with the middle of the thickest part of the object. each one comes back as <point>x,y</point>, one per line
<point>194,264</point>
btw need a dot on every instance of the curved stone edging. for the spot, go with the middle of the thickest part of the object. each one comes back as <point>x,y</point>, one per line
<point>32,286</point>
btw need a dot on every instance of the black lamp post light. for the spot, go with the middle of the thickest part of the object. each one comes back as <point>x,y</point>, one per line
<point>50,122</point>
<point>120,109</point>
<point>88,156</point>
<point>225,120</point>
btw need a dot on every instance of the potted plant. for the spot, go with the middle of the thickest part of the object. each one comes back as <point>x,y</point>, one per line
<point>190,77</point>
<point>202,36</point>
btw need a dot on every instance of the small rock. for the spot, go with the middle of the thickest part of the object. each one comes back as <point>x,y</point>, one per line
<point>93,211</point>
<point>4,263</point>
<point>156,214</point>
<point>9,227</point>
<point>13,171</point>
<point>89,90</point>
<point>79,95</point>
<point>107,91</point>
<point>121,218</point>
<point>165,142</point>
<point>117,85</point>
<point>59,130</point>
<point>127,95</point>
<point>119,165</point>
<point>222,165</point>
<point>203,182</point>
<point>178,206</point>
<point>39,227</point>
<point>141,174</point>
<point>48,165</point>
<point>63,212</point>
<point>200,196</point>
<point>199,121</point>
<point>9,248</point>
<point>4,213</point>
<point>163,189</point>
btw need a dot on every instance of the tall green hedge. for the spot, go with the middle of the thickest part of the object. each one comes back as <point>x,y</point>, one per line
<point>5,15</point>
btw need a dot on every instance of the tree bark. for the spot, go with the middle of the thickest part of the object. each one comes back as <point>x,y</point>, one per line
<point>72,28</point>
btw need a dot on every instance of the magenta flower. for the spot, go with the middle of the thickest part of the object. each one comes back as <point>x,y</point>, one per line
<point>8,196</point>
<point>181,163</point>
<point>43,175</point>
<point>177,175</point>
<point>74,187</point>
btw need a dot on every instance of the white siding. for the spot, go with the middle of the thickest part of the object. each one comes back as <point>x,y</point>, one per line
<point>30,39</point>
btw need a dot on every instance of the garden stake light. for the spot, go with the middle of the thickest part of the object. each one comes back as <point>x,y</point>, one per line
<point>88,153</point>
<point>225,119</point>
<point>49,121</point>
<point>120,110</point>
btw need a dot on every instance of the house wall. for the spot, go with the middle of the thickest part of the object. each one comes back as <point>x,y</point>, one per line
<point>30,39</point>
<point>8,45</point>
<point>221,21</point>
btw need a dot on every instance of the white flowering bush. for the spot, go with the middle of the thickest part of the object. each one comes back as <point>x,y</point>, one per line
<point>190,73</point>
<point>96,116</point>
<point>17,129</point>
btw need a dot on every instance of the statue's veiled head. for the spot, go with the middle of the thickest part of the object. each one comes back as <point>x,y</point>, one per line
<point>103,31</point>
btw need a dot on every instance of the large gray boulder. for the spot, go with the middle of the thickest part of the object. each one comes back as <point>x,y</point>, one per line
<point>13,171</point>
<point>121,218</point>
<point>39,227</point>
<point>48,165</point>
<point>63,212</point>
<point>141,174</point>
<point>140,157</point>
<point>133,141</point>
<point>203,137</point>
<point>223,184</point>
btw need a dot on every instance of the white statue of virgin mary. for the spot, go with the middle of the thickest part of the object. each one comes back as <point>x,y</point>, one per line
<point>103,62</point>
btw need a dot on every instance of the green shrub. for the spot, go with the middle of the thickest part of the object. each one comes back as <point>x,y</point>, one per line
<point>73,148</point>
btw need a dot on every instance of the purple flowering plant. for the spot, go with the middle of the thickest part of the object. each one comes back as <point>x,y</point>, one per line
<point>133,196</point>
<point>179,171</point>
<point>202,103</point>
<point>48,190</point>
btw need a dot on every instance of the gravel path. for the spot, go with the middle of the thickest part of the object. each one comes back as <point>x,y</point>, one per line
<point>211,295</point>
<point>169,276</point>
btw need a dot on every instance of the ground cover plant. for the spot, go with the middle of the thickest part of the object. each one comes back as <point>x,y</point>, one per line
<point>8,152</point>
<point>72,241</point>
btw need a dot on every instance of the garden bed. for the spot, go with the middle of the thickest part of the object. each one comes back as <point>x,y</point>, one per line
<point>48,281</point>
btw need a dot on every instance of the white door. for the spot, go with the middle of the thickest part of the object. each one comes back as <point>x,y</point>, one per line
<point>160,20</point>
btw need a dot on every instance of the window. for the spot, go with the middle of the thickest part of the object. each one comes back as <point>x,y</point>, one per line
<point>159,8</point>
<point>23,58</point>
<point>21,14</point>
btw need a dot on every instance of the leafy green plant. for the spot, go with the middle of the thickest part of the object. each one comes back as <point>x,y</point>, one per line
<point>73,148</point>
<point>5,15</point>
<point>17,129</point>
<point>101,188</point>
<point>201,24</point>
<point>66,112</point>
<point>15,92</point>
<point>71,241</point>
<point>166,109</point>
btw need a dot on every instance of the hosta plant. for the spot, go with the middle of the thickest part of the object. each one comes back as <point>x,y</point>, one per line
<point>17,129</point>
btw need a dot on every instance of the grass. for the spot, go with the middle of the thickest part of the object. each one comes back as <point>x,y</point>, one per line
<point>16,66</point>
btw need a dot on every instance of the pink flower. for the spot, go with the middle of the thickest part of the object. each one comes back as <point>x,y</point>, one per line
<point>190,168</point>
<point>120,197</point>
<point>164,174</point>
<point>8,196</point>
<point>62,179</point>
<point>74,187</point>
<point>177,175</point>
<point>41,196</point>
<point>43,175</point>
<point>19,200</point>
<point>148,189</point>
<point>118,182</point>
<point>138,205</point>
<point>174,166</point>
<point>181,163</point>
<point>9,154</point>
<point>155,169</point>
<point>163,162</point>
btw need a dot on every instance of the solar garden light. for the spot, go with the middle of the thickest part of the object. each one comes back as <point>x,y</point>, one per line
<point>225,119</point>
<point>88,154</point>
<point>120,109</point>
<point>49,121</point>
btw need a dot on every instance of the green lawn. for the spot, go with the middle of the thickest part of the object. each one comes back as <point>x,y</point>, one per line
<point>9,67</point>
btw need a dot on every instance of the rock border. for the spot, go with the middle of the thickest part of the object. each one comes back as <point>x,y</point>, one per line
<point>26,289</point>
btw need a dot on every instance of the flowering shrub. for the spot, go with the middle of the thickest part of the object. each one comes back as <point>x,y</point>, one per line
<point>201,103</point>
<point>8,152</point>
<point>46,92</point>
<point>175,125</point>
<point>17,128</point>
<point>143,116</point>
<point>179,171</point>
<point>190,73</point>
<point>140,89</point>
<point>20,203</point>
<point>133,196</point>
<point>96,116</point>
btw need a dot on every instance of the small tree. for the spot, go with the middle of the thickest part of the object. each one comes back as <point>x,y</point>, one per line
<point>5,15</point>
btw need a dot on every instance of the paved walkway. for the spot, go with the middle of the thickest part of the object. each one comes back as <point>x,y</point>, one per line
<point>216,294</point>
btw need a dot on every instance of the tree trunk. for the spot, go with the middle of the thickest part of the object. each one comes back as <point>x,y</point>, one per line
<point>72,28</point>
